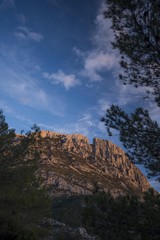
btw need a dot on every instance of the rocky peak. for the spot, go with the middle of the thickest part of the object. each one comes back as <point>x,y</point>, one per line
<point>74,165</point>
<point>116,159</point>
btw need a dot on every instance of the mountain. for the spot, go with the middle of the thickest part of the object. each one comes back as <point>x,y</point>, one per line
<point>71,166</point>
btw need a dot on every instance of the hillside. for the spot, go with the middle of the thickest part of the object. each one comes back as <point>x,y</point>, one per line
<point>70,165</point>
<point>72,169</point>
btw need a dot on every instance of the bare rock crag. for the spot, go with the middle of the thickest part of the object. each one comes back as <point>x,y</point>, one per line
<point>71,165</point>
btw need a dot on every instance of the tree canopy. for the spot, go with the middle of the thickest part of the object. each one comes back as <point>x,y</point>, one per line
<point>137,36</point>
<point>139,134</point>
<point>124,217</point>
<point>23,201</point>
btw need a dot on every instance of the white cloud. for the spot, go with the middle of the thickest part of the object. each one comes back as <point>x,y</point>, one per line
<point>67,80</point>
<point>96,63</point>
<point>154,111</point>
<point>101,58</point>
<point>103,104</point>
<point>24,33</point>
<point>78,52</point>
<point>103,35</point>
<point>127,94</point>
<point>87,119</point>
<point>20,35</point>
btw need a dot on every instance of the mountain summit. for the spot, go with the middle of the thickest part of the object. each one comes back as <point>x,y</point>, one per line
<point>70,165</point>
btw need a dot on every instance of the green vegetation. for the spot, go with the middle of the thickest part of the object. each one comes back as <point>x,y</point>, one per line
<point>23,202</point>
<point>139,134</point>
<point>137,37</point>
<point>68,210</point>
<point>124,217</point>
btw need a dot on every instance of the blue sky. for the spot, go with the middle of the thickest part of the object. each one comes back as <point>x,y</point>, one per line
<point>58,68</point>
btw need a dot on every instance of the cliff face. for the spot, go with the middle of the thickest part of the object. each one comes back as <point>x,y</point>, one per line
<point>71,165</point>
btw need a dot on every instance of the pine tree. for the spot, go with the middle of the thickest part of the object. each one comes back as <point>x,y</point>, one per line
<point>137,37</point>
<point>139,135</point>
<point>23,201</point>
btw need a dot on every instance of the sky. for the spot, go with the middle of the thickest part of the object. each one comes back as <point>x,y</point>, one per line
<point>58,68</point>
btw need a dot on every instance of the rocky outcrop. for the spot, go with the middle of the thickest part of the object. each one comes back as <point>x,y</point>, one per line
<point>62,231</point>
<point>118,163</point>
<point>71,165</point>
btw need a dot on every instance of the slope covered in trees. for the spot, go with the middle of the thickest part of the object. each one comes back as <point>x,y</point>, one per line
<point>23,202</point>
<point>122,218</point>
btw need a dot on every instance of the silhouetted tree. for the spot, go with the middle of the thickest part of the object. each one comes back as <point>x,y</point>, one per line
<point>124,217</point>
<point>137,36</point>
<point>23,201</point>
<point>139,135</point>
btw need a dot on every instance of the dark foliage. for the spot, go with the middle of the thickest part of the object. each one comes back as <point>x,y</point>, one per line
<point>68,210</point>
<point>137,36</point>
<point>139,135</point>
<point>124,217</point>
<point>23,202</point>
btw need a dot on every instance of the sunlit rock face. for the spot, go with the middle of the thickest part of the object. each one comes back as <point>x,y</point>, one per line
<point>116,159</point>
<point>71,165</point>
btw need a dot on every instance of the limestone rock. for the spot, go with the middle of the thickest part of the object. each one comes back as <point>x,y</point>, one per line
<point>59,227</point>
<point>115,157</point>
<point>71,165</point>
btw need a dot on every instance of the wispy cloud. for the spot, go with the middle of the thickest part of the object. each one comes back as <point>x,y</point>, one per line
<point>101,58</point>
<point>78,52</point>
<point>56,3</point>
<point>127,94</point>
<point>67,80</point>
<point>21,18</point>
<point>154,111</point>
<point>4,106</point>
<point>25,33</point>
<point>103,104</point>
<point>103,34</point>
<point>83,125</point>
<point>6,4</point>
<point>22,87</point>
<point>14,114</point>
<point>19,84</point>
